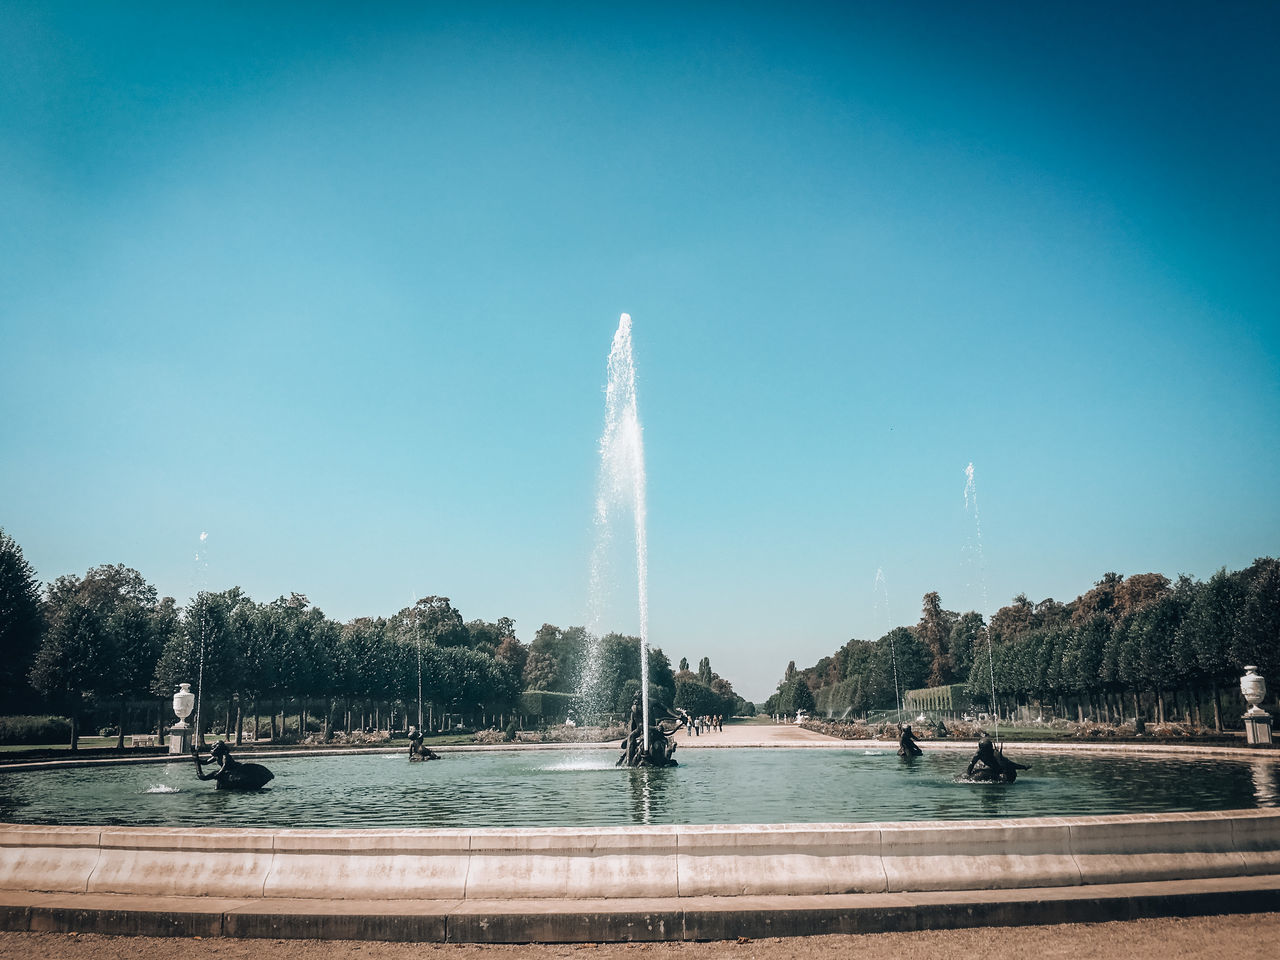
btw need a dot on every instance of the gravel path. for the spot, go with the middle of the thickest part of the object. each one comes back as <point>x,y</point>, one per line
<point>1162,939</point>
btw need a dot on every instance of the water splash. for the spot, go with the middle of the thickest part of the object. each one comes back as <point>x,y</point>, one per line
<point>620,489</point>
<point>579,762</point>
<point>161,788</point>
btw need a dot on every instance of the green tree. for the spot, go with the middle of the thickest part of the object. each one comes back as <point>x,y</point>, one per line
<point>912,656</point>
<point>73,658</point>
<point>207,651</point>
<point>1208,630</point>
<point>512,655</point>
<point>967,641</point>
<point>555,658</point>
<point>626,696</point>
<point>694,696</point>
<point>107,630</point>
<point>1100,600</point>
<point>364,663</point>
<point>934,630</point>
<point>1013,620</point>
<point>802,698</point>
<point>439,622</point>
<point>22,624</point>
<point>487,637</point>
<point>540,671</point>
<point>1153,627</point>
<point>1256,639</point>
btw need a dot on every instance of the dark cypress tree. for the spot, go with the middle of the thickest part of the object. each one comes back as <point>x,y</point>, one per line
<point>22,625</point>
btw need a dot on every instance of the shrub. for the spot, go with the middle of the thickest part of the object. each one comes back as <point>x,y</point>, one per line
<point>857,730</point>
<point>345,738</point>
<point>1094,730</point>
<point>563,733</point>
<point>965,729</point>
<point>546,705</point>
<point>1170,729</point>
<point>34,730</point>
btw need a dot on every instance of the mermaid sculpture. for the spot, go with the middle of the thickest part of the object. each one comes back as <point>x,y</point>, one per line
<point>992,766</point>
<point>908,748</point>
<point>419,751</point>
<point>231,773</point>
<point>662,739</point>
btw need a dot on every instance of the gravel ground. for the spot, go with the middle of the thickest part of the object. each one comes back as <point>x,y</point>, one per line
<point>1162,939</point>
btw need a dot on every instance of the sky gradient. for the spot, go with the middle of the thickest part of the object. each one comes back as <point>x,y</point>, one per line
<point>337,287</point>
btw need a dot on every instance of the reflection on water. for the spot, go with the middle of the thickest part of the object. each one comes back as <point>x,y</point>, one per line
<point>649,789</point>
<point>1265,788</point>
<point>583,788</point>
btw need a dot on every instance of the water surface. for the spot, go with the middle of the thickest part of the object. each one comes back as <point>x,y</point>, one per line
<point>562,788</point>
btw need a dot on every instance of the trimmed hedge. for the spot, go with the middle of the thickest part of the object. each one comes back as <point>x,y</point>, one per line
<point>35,730</point>
<point>547,705</point>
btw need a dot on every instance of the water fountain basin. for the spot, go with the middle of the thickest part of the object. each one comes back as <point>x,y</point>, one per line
<point>1116,820</point>
<point>646,862</point>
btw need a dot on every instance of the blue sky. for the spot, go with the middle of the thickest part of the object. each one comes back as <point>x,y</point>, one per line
<point>337,286</point>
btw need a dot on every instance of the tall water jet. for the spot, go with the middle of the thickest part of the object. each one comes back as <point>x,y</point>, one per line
<point>881,612</point>
<point>971,505</point>
<point>882,593</point>
<point>620,488</point>
<point>201,586</point>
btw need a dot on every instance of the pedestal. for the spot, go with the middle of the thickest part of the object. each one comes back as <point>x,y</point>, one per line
<point>1257,729</point>
<point>180,739</point>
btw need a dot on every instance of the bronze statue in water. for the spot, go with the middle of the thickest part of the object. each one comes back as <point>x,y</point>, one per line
<point>990,765</point>
<point>231,774</point>
<point>419,751</point>
<point>664,723</point>
<point>908,746</point>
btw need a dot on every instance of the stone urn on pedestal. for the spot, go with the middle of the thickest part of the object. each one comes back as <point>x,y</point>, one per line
<point>184,702</point>
<point>1257,722</point>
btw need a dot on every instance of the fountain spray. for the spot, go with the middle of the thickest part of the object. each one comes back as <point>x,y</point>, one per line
<point>621,486</point>
<point>971,503</point>
<point>202,565</point>
<point>882,590</point>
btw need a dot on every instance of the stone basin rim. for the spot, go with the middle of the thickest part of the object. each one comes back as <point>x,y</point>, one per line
<point>575,863</point>
<point>654,830</point>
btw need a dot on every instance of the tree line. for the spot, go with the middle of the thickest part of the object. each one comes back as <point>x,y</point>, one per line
<point>99,644</point>
<point>558,662</point>
<point>1137,646</point>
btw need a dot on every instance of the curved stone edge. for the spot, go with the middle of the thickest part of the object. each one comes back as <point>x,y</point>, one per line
<point>595,921</point>
<point>567,863</point>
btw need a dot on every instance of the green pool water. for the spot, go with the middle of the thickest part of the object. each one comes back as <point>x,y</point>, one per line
<point>583,788</point>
